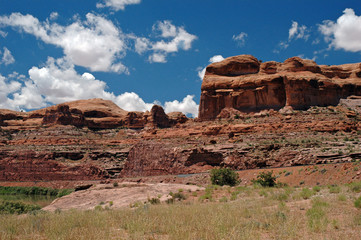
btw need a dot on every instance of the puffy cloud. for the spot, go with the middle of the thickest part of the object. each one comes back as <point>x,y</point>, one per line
<point>141,45</point>
<point>215,58</point>
<point>186,106</point>
<point>131,101</point>
<point>345,33</point>
<point>117,5</point>
<point>240,38</point>
<point>7,58</point>
<point>295,32</point>
<point>7,87</point>
<point>298,32</point>
<point>95,43</point>
<point>54,15</point>
<point>158,58</point>
<point>179,39</point>
<point>58,82</point>
<point>166,28</point>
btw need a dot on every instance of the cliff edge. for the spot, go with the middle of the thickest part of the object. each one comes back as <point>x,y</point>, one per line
<point>245,84</point>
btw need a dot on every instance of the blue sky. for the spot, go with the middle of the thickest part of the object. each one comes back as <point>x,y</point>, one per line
<point>140,52</point>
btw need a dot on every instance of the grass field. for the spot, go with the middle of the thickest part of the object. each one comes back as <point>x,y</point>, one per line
<point>327,212</point>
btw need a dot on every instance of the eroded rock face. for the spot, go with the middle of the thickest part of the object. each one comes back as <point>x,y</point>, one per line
<point>92,113</point>
<point>245,84</point>
<point>36,166</point>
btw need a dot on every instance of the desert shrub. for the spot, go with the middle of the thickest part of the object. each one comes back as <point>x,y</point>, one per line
<point>64,192</point>
<point>342,197</point>
<point>224,176</point>
<point>355,187</point>
<point>306,193</point>
<point>265,179</point>
<point>358,202</point>
<point>115,184</point>
<point>334,189</point>
<point>175,196</point>
<point>179,196</point>
<point>316,215</point>
<point>154,201</point>
<point>17,207</point>
<point>263,193</point>
<point>281,196</point>
<point>316,188</point>
<point>98,208</point>
<point>206,196</point>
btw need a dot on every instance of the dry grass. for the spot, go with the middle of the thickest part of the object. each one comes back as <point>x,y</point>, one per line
<point>255,213</point>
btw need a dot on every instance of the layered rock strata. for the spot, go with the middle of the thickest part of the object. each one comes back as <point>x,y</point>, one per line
<point>245,84</point>
<point>92,113</point>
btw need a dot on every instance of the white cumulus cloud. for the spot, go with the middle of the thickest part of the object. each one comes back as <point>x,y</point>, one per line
<point>345,33</point>
<point>158,58</point>
<point>58,82</point>
<point>117,5</point>
<point>95,43</point>
<point>186,106</point>
<point>298,32</point>
<point>215,58</point>
<point>176,38</point>
<point>7,87</point>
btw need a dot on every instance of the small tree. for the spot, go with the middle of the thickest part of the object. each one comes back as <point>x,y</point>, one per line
<point>224,176</point>
<point>265,179</point>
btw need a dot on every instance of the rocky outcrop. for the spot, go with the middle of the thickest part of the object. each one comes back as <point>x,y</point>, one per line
<point>37,166</point>
<point>245,84</point>
<point>154,158</point>
<point>61,115</point>
<point>92,113</point>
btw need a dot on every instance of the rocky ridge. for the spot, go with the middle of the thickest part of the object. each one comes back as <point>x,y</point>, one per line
<point>95,139</point>
<point>248,85</point>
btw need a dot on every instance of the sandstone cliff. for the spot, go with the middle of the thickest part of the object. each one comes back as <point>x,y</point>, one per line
<point>245,84</point>
<point>92,113</point>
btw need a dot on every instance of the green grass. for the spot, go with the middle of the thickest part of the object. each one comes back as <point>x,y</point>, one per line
<point>280,214</point>
<point>316,216</point>
<point>306,193</point>
<point>7,207</point>
<point>39,191</point>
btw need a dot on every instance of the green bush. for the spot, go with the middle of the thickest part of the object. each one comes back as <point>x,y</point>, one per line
<point>358,202</point>
<point>306,193</point>
<point>355,187</point>
<point>7,207</point>
<point>334,189</point>
<point>224,176</point>
<point>316,188</point>
<point>154,201</point>
<point>265,179</point>
<point>32,191</point>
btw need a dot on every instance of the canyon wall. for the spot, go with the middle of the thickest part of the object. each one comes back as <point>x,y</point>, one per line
<point>245,84</point>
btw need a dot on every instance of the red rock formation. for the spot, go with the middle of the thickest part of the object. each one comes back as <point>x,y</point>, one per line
<point>245,84</point>
<point>61,115</point>
<point>158,117</point>
<point>93,113</point>
<point>36,166</point>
